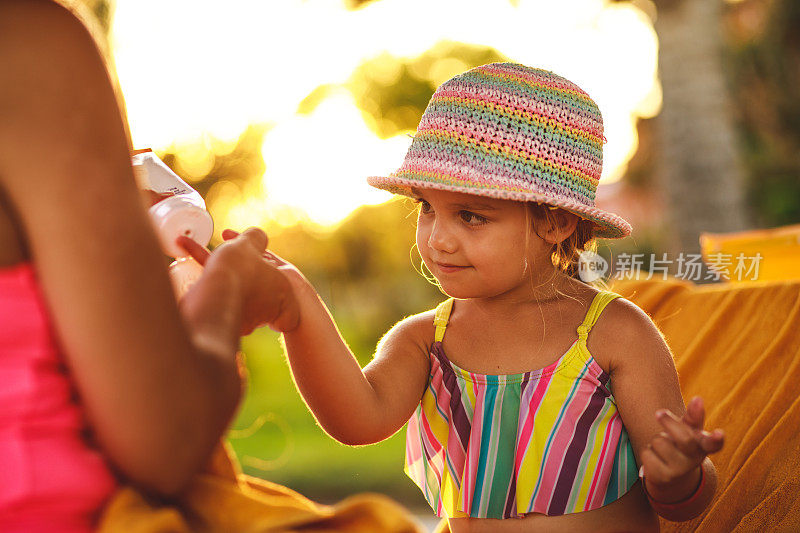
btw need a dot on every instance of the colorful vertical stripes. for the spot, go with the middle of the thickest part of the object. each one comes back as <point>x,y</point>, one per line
<point>498,446</point>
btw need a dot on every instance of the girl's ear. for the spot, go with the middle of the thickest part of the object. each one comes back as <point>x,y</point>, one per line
<point>557,225</point>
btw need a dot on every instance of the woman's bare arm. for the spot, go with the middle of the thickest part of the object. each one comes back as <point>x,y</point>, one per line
<point>158,387</point>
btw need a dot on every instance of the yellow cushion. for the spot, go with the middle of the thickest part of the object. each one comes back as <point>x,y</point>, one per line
<point>779,250</point>
<point>738,346</point>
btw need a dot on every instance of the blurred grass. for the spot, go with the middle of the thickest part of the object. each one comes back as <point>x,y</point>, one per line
<point>276,438</point>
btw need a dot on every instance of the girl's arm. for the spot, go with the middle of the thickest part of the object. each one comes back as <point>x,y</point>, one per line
<point>669,441</point>
<point>352,405</point>
<point>158,387</point>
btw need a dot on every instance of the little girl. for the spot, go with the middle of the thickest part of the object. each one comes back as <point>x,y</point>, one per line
<point>529,394</point>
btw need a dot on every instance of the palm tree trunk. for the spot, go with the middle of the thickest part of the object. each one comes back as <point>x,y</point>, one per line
<point>701,173</point>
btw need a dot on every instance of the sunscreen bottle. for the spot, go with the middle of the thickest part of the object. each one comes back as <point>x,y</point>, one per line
<point>175,209</point>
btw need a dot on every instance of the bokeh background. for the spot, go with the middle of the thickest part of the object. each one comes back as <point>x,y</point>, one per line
<point>276,111</point>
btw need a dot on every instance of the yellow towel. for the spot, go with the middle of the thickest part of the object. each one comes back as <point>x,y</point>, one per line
<point>222,499</point>
<point>738,346</point>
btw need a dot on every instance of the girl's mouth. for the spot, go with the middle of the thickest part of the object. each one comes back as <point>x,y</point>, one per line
<point>449,269</point>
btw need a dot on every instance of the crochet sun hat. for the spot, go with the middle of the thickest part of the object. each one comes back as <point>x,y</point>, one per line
<point>508,131</point>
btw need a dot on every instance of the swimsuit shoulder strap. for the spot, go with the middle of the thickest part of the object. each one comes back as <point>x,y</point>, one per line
<point>599,303</point>
<point>442,317</point>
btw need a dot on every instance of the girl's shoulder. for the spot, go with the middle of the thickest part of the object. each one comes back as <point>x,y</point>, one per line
<point>418,329</point>
<point>621,315</point>
<point>619,331</point>
<point>421,323</point>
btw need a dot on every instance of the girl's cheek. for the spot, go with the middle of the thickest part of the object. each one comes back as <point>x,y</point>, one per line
<point>423,233</point>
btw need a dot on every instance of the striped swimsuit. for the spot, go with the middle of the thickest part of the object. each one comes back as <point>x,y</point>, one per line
<point>546,441</point>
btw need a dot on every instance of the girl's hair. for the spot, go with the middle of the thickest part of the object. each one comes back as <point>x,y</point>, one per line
<point>566,255</point>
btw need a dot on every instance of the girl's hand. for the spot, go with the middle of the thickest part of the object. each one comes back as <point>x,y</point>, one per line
<point>267,296</point>
<point>671,459</point>
<point>296,278</point>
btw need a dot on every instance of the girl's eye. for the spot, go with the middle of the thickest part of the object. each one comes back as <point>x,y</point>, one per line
<point>471,218</point>
<point>424,206</point>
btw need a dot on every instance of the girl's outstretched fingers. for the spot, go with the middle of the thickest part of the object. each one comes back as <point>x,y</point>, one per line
<point>713,441</point>
<point>684,437</point>
<point>682,446</point>
<point>695,415</point>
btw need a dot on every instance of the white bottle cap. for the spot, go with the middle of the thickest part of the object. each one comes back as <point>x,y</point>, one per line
<point>180,216</point>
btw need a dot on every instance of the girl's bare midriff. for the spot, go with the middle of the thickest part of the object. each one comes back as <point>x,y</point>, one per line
<point>629,514</point>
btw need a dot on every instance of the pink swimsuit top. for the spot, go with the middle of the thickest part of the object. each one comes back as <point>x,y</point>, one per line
<point>51,478</point>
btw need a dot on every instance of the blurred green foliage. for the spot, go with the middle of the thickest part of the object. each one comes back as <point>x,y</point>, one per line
<point>99,14</point>
<point>392,92</point>
<point>239,163</point>
<point>763,58</point>
<point>103,11</point>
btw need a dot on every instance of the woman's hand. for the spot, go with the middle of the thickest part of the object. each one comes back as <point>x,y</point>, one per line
<point>671,460</point>
<point>287,268</point>
<point>267,296</point>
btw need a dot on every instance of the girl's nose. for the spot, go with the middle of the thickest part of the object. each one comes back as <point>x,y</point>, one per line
<point>441,239</point>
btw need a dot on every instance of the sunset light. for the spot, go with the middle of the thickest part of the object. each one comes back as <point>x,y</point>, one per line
<point>209,69</point>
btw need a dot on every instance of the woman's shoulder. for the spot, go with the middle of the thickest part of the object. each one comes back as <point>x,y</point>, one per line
<point>43,44</point>
<point>50,54</point>
<point>59,74</point>
<point>39,18</point>
<point>44,48</point>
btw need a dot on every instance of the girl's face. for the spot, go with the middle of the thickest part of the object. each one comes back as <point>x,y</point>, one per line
<point>476,246</point>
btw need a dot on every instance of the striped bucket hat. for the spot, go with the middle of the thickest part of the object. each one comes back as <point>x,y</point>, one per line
<point>509,131</point>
